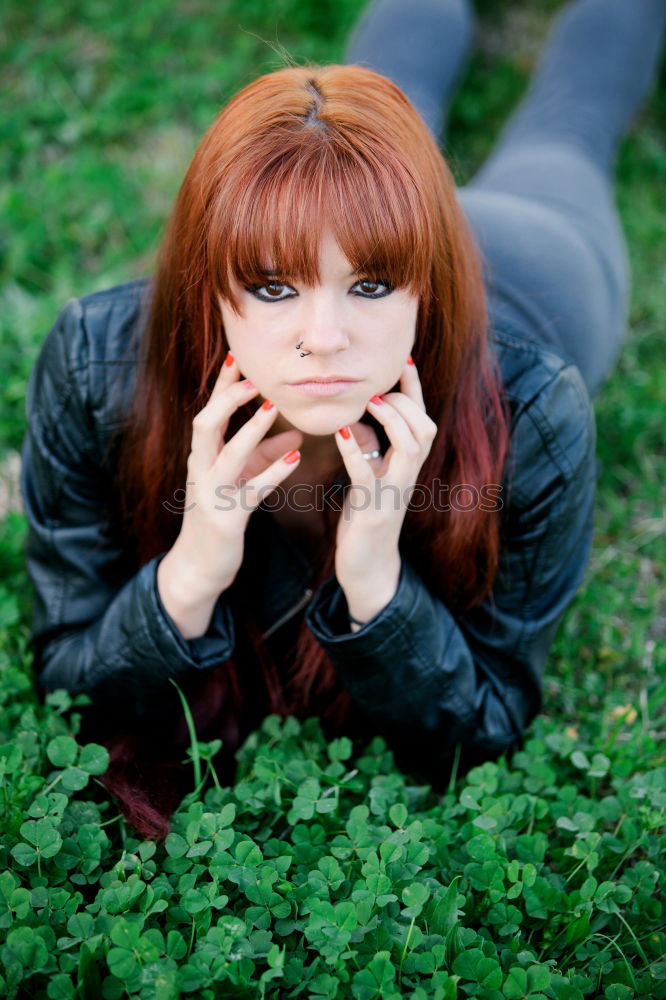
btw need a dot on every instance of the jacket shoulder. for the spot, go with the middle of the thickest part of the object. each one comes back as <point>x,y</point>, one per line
<point>552,424</point>
<point>113,321</point>
<point>112,317</point>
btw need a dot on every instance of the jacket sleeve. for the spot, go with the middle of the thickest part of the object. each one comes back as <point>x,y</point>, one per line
<point>97,627</point>
<point>431,680</point>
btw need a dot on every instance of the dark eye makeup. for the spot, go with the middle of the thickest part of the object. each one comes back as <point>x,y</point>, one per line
<point>255,289</point>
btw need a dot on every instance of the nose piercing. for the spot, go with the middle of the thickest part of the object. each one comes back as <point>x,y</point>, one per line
<point>303,353</point>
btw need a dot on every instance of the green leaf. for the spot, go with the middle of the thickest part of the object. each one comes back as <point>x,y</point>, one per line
<point>340,749</point>
<point>175,945</point>
<point>345,916</point>
<point>122,962</point>
<point>415,894</point>
<point>375,979</point>
<point>60,987</point>
<point>43,835</point>
<point>248,853</point>
<point>515,984</point>
<point>24,854</point>
<point>176,846</point>
<point>53,804</point>
<point>390,852</point>
<point>600,765</point>
<point>62,751</point>
<point>485,822</point>
<point>28,948</point>
<point>125,934</point>
<point>538,978</point>
<point>580,760</point>
<point>529,874</point>
<point>94,759</point>
<point>74,779</point>
<point>81,926</point>
<point>618,991</point>
<point>469,798</point>
<point>476,967</point>
<point>445,913</point>
<point>398,814</point>
<point>226,815</point>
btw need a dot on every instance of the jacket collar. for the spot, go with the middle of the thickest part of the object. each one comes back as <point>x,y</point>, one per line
<point>282,573</point>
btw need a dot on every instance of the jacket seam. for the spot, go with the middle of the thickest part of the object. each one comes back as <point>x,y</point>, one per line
<point>72,381</point>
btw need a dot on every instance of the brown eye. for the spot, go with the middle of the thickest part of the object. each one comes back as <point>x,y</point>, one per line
<point>369,293</point>
<point>275,286</point>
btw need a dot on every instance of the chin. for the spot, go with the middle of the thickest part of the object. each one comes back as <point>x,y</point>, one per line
<point>327,420</point>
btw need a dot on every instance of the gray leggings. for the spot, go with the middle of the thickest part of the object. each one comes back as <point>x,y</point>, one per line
<point>542,206</point>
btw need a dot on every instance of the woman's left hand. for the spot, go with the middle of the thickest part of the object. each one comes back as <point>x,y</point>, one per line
<point>367,557</point>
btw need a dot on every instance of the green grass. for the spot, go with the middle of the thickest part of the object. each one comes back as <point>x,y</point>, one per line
<point>102,108</point>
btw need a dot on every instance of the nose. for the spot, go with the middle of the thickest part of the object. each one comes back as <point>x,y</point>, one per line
<point>321,326</point>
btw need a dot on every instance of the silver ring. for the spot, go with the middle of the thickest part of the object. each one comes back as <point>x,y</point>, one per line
<point>371,454</point>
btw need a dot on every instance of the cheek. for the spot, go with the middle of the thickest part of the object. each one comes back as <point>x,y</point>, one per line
<point>238,338</point>
<point>395,340</point>
<point>254,355</point>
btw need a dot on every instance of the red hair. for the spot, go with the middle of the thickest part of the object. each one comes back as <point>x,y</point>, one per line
<point>297,149</point>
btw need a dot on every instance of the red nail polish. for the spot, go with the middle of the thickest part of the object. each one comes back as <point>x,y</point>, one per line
<point>410,360</point>
<point>376,399</point>
<point>292,457</point>
<point>229,360</point>
<point>267,405</point>
<point>345,432</point>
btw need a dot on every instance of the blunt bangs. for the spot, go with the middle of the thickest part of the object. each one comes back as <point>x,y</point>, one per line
<point>270,213</point>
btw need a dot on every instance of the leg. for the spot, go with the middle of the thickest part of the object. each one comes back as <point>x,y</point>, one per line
<point>421,46</point>
<point>542,206</point>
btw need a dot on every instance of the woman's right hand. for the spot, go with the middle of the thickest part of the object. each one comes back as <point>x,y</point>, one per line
<point>226,482</point>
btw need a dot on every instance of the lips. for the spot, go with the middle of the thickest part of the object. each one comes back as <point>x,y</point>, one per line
<point>321,387</point>
<point>326,378</point>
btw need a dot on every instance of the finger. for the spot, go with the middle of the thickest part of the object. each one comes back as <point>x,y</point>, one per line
<point>236,452</point>
<point>270,450</point>
<point>210,423</point>
<point>365,436</point>
<point>410,383</point>
<point>257,489</point>
<point>398,430</point>
<point>229,372</point>
<point>273,447</point>
<point>358,467</point>
<point>420,424</point>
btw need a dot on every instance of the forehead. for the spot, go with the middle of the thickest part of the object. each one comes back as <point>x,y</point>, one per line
<point>332,260</point>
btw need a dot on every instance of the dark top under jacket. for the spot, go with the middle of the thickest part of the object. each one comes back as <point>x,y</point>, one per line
<point>424,678</point>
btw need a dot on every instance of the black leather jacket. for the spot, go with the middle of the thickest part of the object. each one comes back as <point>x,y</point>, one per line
<point>421,676</point>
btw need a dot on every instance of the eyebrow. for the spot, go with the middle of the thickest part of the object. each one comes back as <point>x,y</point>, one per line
<point>276,274</point>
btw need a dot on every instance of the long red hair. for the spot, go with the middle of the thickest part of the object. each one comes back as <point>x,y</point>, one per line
<point>297,148</point>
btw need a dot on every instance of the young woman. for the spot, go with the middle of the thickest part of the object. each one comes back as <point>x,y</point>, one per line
<point>336,457</point>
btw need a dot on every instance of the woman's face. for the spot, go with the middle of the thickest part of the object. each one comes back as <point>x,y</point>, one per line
<point>354,326</point>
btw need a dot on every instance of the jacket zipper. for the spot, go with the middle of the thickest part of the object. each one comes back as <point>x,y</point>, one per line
<point>290,613</point>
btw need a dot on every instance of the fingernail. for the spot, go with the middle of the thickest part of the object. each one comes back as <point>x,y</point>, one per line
<point>247,384</point>
<point>293,456</point>
<point>267,405</point>
<point>345,433</point>
<point>229,360</point>
<point>410,360</point>
<point>376,399</point>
